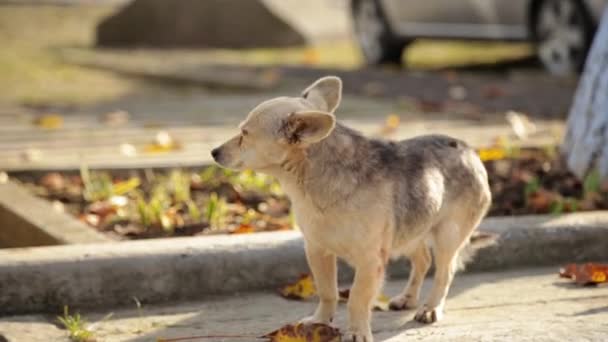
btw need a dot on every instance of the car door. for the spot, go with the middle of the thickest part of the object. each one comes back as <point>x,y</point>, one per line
<point>455,18</point>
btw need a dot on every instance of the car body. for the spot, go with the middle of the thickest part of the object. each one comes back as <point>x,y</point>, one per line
<point>514,20</point>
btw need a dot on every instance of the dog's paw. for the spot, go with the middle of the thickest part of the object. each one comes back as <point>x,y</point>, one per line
<point>314,319</point>
<point>428,315</point>
<point>402,302</point>
<point>358,336</point>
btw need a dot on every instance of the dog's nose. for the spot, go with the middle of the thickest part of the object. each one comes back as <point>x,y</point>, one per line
<point>215,153</point>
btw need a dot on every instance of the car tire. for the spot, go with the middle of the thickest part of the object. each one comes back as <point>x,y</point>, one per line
<point>377,42</point>
<point>562,31</point>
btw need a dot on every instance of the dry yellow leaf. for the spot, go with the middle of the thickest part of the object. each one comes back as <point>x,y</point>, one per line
<point>392,121</point>
<point>380,304</point>
<point>303,288</point>
<point>391,124</point>
<point>163,143</point>
<point>486,154</point>
<point>49,121</point>
<point>305,333</point>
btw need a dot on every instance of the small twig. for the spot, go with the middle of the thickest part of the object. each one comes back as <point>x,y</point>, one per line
<point>204,337</point>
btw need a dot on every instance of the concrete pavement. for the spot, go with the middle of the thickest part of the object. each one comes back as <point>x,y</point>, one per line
<point>523,305</point>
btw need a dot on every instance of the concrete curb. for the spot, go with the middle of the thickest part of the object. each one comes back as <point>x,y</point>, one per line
<point>30,221</point>
<point>102,275</point>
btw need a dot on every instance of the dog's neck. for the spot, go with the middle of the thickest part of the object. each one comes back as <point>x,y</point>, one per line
<point>327,172</point>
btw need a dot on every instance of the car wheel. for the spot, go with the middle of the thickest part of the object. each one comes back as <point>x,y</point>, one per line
<point>378,44</point>
<point>563,32</point>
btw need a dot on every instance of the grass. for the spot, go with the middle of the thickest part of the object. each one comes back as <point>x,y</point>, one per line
<point>76,326</point>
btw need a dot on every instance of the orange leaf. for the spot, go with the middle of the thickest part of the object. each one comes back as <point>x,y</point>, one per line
<point>244,229</point>
<point>303,288</point>
<point>586,274</point>
<point>305,333</point>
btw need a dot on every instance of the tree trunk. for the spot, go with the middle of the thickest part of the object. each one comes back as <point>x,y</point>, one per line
<point>586,141</point>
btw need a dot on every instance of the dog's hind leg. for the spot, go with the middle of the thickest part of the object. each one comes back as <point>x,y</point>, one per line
<point>420,261</point>
<point>449,236</point>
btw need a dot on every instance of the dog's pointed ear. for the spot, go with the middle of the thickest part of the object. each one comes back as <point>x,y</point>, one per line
<point>305,128</point>
<point>325,94</point>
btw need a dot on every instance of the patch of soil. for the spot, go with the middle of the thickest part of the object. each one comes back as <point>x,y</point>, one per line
<point>147,204</point>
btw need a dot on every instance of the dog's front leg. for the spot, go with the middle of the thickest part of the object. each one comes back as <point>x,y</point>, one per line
<point>323,266</point>
<point>368,280</point>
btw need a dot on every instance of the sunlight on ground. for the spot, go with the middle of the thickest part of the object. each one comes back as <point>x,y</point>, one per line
<point>31,71</point>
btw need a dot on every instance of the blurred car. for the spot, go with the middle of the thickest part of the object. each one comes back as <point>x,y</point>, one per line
<point>562,30</point>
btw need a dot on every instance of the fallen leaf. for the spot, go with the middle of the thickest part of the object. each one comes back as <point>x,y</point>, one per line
<point>53,181</point>
<point>380,304</point>
<point>305,333</point>
<point>118,201</point>
<point>128,150</point>
<point>586,274</point>
<point>542,200</point>
<point>391,124</point>
<point>303,288</point>
<point>49,121</point>
<point>90,219</point>
<point>101,208</point>
<point>244,229</point>
<point>163,143</point>
<point>522,126</point>
<point>486,154</point>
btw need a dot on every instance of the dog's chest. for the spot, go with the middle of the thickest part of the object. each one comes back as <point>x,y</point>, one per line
<point>343,230</point>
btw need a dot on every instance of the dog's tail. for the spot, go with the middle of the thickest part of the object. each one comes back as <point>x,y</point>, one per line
<point>477,241</point>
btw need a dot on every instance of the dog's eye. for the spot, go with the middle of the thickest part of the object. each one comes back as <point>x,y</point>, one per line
<point>244,132</point>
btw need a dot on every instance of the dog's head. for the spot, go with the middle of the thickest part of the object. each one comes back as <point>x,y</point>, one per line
<point>283,125</point>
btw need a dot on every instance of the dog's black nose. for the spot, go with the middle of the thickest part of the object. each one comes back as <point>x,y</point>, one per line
<point>215,153</point>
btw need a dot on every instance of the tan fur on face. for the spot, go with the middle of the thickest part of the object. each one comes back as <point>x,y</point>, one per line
<point>362,199</point>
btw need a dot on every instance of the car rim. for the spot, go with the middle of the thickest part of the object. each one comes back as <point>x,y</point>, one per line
<point>369,29</point>
<point>561,35</point>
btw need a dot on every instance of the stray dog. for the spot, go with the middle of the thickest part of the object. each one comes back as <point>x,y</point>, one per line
<point>365,200</point>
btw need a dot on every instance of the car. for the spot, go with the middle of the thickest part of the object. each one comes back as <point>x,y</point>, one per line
<point>561,30</point>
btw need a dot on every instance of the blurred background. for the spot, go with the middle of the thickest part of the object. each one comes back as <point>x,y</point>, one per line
<point>143,84</point>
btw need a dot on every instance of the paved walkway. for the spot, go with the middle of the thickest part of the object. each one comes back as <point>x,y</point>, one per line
<point>522,305</point>
<point>199,122</point>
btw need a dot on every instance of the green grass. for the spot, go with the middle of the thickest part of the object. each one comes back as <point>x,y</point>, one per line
<point>76,326</point>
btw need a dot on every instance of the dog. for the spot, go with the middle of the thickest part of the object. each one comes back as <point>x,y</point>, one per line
<point>364,200</point>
